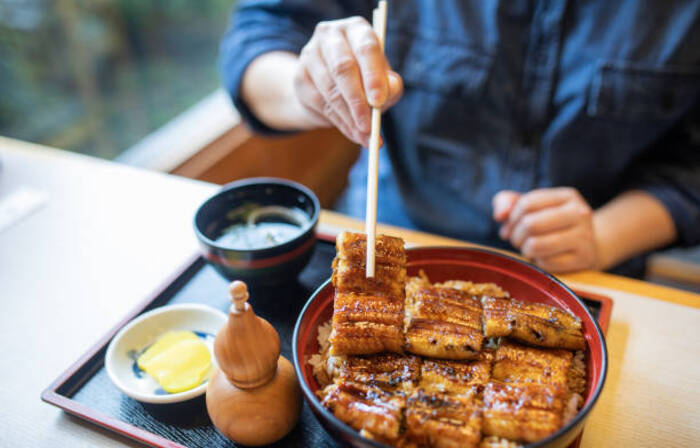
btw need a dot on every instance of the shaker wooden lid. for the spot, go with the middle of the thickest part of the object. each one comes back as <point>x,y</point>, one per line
<point>247,347</point>
<point>239,295</point>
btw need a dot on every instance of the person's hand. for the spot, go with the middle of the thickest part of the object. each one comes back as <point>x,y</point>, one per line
<point>342,72</point>
<point>553,227</point>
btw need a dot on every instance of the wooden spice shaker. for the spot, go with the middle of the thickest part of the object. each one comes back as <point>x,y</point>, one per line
<point>253,397</point>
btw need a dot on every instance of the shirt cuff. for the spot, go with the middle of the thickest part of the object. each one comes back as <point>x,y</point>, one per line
<point>684,211</point>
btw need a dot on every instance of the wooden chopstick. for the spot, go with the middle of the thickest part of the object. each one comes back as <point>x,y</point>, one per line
<point>379,25</point>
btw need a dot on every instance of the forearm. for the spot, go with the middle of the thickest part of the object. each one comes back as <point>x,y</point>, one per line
<point>632,223</point>
<point>268,90</point>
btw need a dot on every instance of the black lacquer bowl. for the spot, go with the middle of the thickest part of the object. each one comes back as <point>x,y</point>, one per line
<point>523,280</point>
<point>269,265</point>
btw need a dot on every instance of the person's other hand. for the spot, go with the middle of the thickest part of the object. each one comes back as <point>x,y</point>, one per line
<point>553,227</point>
<point>342,72</point>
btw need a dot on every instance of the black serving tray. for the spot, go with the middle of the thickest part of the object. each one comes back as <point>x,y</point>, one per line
<point>86,391</point>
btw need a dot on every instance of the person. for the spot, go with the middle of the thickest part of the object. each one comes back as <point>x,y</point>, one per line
<point>568,130</point>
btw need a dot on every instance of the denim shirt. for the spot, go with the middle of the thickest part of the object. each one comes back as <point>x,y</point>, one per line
<point>603,96</point>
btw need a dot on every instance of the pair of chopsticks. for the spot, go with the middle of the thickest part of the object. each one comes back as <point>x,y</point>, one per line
<point>379,25</point>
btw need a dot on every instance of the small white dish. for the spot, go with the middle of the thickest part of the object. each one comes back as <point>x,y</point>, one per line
<point>140,333</point>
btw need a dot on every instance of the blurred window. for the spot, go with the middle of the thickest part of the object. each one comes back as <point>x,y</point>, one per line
<point>96,76</point>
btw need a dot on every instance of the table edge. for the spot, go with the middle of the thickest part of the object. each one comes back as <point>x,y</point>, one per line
<point>331,223</point>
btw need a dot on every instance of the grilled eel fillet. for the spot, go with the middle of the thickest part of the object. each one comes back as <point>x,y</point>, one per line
<point>443,420</point>
<point>445,409</point>
<point>524,392</point>
<point>441,322</point>
<point>366,408</point>
<point>369,392</point>
<point>387,371</point>
<point>533,323</point>
<point>515,363</point>
<point>442,410</point>
<point>526,398</point>
<point>455,377</point>
<point>522,411</point>
<point>368,312</point>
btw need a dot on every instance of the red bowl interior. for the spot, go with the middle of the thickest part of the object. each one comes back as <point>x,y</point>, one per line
<point>524,282</point>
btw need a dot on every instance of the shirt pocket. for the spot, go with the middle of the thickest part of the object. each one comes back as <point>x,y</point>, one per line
<point>632,93</point>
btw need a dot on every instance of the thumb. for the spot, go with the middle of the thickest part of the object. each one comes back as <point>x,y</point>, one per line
<point>395,89</point>
<point>503,203</point>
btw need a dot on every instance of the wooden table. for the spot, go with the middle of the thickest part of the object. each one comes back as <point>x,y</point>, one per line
<point>108,234</point>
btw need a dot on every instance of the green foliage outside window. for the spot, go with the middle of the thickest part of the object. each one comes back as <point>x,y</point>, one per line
<point>96,76</point>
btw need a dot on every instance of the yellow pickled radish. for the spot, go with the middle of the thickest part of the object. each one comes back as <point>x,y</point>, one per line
<point>163,343</point>
<point>179,361</point>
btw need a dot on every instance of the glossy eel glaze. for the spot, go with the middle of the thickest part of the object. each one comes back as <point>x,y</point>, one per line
<point>412,364</point>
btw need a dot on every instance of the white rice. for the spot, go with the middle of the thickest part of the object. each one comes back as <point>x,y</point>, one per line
<point>576,377</point>
<point>318,361</point>
<point>477,289</point>
<point>572,407</point>
<point>498,442</point>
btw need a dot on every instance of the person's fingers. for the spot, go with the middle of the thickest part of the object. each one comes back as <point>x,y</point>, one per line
<point>544,246</point>
<point>564,262</point>
<point>395,90</point>
<point>370,58</point>
<point>310,98</point>
<point>316,68</point>
<point>322,106</point>
<point>502,203</point>
<point>549,220</point>
<point>350,132</point>
<point>536,200</point>
<point>344,70</point>
<point>539,199</point>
